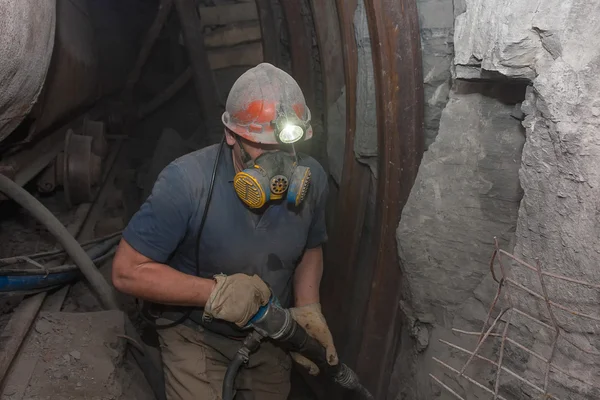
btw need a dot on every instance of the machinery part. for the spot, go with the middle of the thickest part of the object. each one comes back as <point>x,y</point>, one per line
<point>23,22</point>
<point>74,79</point>
<point>77,59</point>
<point>31,159</point>
<point>277,323</point>
<point>47,180</point>
<point>97,130</point>
<point>78,255</point>
<point>81,169</point>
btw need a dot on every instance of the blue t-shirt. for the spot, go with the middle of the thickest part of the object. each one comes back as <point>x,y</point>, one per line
<point>234,239</point>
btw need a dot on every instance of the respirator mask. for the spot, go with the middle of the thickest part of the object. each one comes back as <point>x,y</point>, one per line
<point>275,175</point>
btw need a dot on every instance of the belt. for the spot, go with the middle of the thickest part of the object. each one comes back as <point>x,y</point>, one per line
<point>195,321</point>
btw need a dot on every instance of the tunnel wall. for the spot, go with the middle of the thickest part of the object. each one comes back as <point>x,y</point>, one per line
<point>382,147</point>
<point>515,158</point>
<point>436,20</point>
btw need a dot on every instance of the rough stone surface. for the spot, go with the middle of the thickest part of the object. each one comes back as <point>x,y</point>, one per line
<point>436,21</point>
<point>466,192</point>
<point>515,38</point>
<point>26,43</point>
<point>560,174</point>
<point>555,47</point>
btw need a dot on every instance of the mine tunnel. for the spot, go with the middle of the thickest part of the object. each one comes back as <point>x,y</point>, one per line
<point>421,201</point>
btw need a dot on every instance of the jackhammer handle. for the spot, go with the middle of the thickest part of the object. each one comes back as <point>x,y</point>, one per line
<point>276,322</point>
<point>301,342</point>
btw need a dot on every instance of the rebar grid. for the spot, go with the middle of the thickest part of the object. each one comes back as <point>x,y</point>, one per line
<point>504,288</point>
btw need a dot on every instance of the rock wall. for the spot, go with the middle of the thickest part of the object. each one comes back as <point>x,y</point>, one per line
<point>436,20</point>
<point>558,219</point>
<point>468,191</point>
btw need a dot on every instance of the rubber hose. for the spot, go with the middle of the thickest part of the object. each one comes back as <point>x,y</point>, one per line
<point>102,248</point>
<point>99,285</point>
<point>98,257</point>
<point>230,375</point>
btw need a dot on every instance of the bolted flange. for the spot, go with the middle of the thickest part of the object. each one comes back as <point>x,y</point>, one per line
<point>79,167</point>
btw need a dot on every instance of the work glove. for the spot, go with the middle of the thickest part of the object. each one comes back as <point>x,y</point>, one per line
<point>313,321</point>
<point>236,298</point>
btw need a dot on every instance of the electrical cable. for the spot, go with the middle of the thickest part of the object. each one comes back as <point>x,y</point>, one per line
<point>20,280</point>
<point>54,253</point>
<point>187,314</point>
<point>99,285</point>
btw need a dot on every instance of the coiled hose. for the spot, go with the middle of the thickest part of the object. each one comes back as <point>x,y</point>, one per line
<point>99,285</point>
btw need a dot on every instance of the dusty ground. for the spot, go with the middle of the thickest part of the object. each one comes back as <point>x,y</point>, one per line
<point>77,356</point>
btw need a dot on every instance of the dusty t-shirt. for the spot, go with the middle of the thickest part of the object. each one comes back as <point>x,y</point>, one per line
<point>234,238</point>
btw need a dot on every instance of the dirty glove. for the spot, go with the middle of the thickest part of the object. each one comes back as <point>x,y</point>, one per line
<point>312,320</point>
<point>236,298</point>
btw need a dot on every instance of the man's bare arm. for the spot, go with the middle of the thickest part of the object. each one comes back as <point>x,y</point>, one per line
<point>307,277</point>
<point>139,276</point>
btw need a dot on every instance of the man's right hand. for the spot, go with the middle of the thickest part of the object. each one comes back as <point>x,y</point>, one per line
<point>236,298</point>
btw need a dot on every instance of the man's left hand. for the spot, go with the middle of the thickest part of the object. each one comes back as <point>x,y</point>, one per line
<point>313,321</point>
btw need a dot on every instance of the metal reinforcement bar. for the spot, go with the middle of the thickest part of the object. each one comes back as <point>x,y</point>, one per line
<point>505,286</point>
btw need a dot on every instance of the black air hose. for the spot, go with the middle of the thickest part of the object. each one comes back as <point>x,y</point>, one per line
<point>232,371</point>
<point>101,288</point>
<point>250,344</point>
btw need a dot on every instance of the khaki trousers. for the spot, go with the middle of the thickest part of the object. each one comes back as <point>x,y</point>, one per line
<point>195,361</point>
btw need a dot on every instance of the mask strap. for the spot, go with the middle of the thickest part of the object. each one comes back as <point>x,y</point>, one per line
<point>246,159</point>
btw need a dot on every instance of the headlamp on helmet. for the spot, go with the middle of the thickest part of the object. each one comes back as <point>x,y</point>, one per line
<point>289,128</point>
